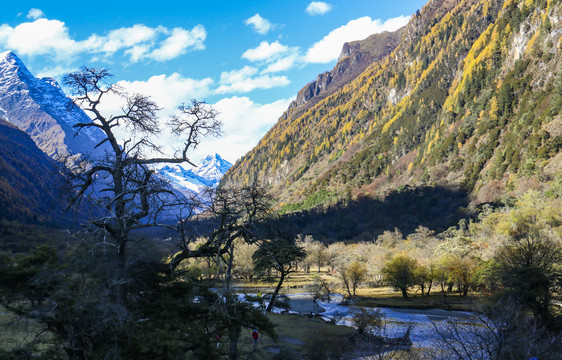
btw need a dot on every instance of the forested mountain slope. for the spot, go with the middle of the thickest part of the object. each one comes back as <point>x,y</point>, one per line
<point>30,184</point>
<point>470,99</point>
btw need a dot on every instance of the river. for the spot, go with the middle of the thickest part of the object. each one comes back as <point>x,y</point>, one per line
<point>396,321</point>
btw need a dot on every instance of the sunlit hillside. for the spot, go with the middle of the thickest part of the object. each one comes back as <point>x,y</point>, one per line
<point>470,99</point>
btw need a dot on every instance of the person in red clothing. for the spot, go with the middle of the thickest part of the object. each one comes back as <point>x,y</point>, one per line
<point>255,337</point>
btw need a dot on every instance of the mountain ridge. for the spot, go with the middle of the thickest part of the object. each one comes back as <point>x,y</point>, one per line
<point>445,108</point>
<point>207,173</point>
<point>354,58</point>
<point>41,109</point>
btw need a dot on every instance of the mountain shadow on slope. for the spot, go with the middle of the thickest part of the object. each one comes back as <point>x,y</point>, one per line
<point>31,186</point>
<point>365,218</point>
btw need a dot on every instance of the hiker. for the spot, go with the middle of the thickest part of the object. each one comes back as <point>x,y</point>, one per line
<point>255,337</point>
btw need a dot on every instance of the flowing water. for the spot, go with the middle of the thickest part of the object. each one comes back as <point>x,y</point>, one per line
<point>396,321</point>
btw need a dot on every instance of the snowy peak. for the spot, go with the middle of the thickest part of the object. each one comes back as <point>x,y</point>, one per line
<point>41,109</point>
<point>9,60</point>
<point>14,72</point>
<point>208,173</point>
<point>213,167</point>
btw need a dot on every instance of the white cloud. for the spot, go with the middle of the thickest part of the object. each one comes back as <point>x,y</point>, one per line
<point>276,56</point>
<point>329,48</point>
<point>141,42</point>
<point>318,8</point>
<point>56,71</point>
<point>265,51</point>
<point>261,26</point>
<point>39,37</point>
<point>35,14</point>
<point>51,37</point>
<point>244,124</point>
<point>122,38</point>
<point>179,42</point>
<point>283,64</point>
<point>167,91</point>
<point>138,52</point>
<point>244,80</point>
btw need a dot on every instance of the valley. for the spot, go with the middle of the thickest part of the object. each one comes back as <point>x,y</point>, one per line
<point>406,204</point>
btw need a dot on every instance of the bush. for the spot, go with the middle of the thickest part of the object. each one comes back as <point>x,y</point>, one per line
<point>400,273</point>
<point>368,321</point>
<point>321,346</point>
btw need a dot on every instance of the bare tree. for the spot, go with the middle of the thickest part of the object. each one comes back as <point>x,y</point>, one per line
<point>502,331</point>
<point>125,183</point>
<point>317,253</point>
<point>234,215</point>
<point>351,273</point>
<point>124,178</point>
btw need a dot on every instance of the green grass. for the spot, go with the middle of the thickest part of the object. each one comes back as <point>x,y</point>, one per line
<point>293,334</point>
<point>434,301</point>
<point>16,331</point>
<point>294,283</point>
<point>370,296</point>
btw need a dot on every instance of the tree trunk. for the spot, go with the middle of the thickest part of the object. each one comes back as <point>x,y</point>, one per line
<point>277,288</point>
<point>345,281</point>
<point>122,281</point>
<point>229,266</point>
<point>233,353</point>
<point>233,330</point>
<point>404,293</point>
<point>428,288</point>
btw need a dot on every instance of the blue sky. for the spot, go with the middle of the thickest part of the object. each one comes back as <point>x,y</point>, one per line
<point>247,58</point>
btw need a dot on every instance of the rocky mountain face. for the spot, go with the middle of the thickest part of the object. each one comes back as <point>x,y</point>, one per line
<point>470,99</point>
<point>355,57</point>
<point>30,185</point>
<point>208,173</point>
<point>41,109</point>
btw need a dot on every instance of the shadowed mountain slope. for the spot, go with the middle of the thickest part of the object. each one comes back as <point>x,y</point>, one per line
<point>30,185</point>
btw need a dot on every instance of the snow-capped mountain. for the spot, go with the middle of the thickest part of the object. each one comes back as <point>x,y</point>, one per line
<point>208,173</point>
<point>41,109</point>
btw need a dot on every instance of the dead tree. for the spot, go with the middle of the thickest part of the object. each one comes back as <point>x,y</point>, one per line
<point>124,180</point>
